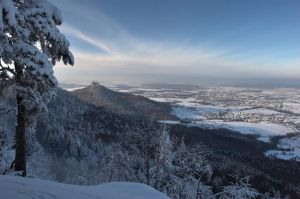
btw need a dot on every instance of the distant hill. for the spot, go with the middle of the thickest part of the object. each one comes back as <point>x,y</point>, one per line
<point>124,104</point>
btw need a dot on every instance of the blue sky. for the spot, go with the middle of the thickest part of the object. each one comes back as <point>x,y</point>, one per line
<point>181,41</point>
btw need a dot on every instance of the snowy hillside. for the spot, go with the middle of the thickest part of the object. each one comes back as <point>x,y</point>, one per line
<point>21,188</point>
<point>71,129</point>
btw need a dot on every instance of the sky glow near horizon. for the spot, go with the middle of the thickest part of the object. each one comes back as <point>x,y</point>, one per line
<point>180,41</point>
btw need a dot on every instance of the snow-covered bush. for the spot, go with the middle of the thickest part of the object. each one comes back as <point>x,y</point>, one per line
<point>241,188</point>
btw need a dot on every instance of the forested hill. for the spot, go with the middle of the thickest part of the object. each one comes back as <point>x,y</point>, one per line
<point>125,104</point>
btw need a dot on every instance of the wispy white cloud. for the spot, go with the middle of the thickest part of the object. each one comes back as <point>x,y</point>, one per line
<point>67,29</point>
<point>132,50</point>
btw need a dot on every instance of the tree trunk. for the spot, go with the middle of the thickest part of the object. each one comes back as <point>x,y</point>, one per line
<point>20,159</point>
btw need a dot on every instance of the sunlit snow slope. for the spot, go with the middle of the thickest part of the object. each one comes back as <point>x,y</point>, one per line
<point>24,188</point>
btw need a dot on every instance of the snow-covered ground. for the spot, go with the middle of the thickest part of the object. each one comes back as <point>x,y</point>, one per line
<point>194,111</point>
<point>290,149</point>
<point>12,187</point>
<point>75,88</point>
<point>187,113</point>
<point>264,130</point>
<point>292,106</point>
<point>159,99</point>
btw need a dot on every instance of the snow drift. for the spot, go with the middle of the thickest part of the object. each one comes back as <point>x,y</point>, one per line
<point>12,187</point>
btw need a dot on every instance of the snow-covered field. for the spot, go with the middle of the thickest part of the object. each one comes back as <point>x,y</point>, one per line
<point>236,104</point>
<point>292,106</point>
<point>264,130</point>
<point>12,187</point>
<point>290,149</point>
<point>187,113</point>
<point>186,109</point>
<point>159,99</point>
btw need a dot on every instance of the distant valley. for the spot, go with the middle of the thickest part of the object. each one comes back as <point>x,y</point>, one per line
<point>267,113</point>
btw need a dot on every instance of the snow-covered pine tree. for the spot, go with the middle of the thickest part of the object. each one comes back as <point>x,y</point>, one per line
<point>30,44</point>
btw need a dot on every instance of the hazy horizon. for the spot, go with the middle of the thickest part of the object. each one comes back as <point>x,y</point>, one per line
<point>250,83</point>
